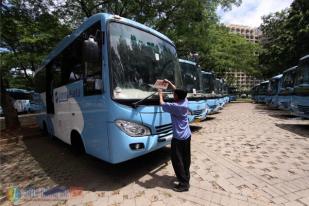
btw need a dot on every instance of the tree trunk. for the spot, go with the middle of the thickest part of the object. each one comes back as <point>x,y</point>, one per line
<point>9,112</point>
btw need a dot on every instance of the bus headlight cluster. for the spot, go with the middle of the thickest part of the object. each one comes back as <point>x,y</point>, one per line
<point>133,129</point>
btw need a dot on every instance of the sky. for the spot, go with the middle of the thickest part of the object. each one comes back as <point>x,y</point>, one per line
<point>250,12</point>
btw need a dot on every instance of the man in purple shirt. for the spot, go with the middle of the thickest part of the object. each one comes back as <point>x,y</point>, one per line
<point>180,149</point>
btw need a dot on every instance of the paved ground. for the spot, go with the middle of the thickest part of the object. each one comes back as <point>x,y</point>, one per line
<point>245,155</point>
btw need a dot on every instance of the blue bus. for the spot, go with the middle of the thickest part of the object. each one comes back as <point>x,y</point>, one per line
<point>225,92</point>
<point>97,88</point>
<point>191,77</point>
<point>24,100</point>
<point>219,93</point>
<point>274,88</point>
<point>262,92</point>
<point>287,89</point>
<point>254,93</point>
<point>232,92</point>
<point>300,100</point>
<point>208,87</point>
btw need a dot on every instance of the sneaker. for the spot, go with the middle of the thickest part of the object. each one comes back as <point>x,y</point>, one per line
<point>180,188</point>
<point>174,182</point>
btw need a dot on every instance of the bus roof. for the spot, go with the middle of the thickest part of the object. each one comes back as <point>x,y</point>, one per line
<point>187,61</point>
<point>304,57</point>
<point>265,82</point>
<point>70,38</point>
<point>290,69</point>
<point>203,72</point>
<point>18,90</point>
<point>277,77</point>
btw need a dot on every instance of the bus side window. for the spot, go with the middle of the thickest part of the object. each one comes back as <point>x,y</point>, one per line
<point>71,62</point>
<point>299,76</point>
<point>56,72</point>
<point>92,60</point>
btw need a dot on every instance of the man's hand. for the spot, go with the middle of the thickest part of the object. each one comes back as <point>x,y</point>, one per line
<point>169,83</point>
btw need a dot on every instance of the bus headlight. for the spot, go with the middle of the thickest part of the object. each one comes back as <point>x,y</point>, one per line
<point>133,129</point>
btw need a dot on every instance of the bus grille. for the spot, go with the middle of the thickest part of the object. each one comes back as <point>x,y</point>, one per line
<point>304,109</point>
<point>197,112</point>
<point>164,130</point>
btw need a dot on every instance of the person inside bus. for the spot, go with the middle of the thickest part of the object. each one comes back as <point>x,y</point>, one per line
<point>180,146</point>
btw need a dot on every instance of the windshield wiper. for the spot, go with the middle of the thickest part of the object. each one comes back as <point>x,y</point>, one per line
<point>135,104</point>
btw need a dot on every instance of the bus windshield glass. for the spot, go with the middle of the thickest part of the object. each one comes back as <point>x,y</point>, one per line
<point>304,74</point>
<point>274,84</point>
<point>217,86</point>
<point>190,77</point>
<point>263,88</point>
<point>137,60</point>
<point>208,83</point>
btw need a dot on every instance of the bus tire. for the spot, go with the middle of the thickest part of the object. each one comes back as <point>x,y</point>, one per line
<point>77,143</point>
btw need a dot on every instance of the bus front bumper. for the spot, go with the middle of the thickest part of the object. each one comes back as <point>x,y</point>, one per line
<point>123,147</point>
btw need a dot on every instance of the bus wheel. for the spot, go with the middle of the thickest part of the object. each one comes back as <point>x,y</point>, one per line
<point>77,143</point>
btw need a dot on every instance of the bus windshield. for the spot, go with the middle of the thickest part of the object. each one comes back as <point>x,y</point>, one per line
<point>190,77</point>
<point>208,83</point>
<point>303,76</point>
<point>263,88</point>
<point>217,86</point>
<point>137,60</point>
<point>274,84</point>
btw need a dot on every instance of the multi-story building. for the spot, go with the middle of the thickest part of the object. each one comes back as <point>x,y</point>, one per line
<point>239,79</point>
<point>250,33</point>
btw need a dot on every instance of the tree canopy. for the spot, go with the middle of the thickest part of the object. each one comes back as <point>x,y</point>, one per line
<point>286,38</point>
<point>30,29</point>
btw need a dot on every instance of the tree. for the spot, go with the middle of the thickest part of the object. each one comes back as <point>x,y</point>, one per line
<point>28,31</point>
<point>31,28</point>
<point>231,51</point>
<point>159,14</point>
<point>286,38</point>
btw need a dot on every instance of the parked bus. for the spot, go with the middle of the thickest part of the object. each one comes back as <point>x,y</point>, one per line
<point>97,88</point>
<point>287,89</point>
<point>255,93</point>
<point>232,92</point>
<point>21,99</point>
<point>208,87</point>
<point>274,87</point>
<point>300,100</point>
<point>219,92</point>
<point>191,76</point>
<point>262,92</point>
<point>225,92</point>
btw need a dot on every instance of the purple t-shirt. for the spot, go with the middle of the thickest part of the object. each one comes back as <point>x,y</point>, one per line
<point>179,112</point>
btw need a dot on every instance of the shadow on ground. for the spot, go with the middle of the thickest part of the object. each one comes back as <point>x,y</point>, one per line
<point>274,112</point>
<point>195,128</point>
<point>44,162</point>
<point>209,118</point>
<point>299,129</point>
